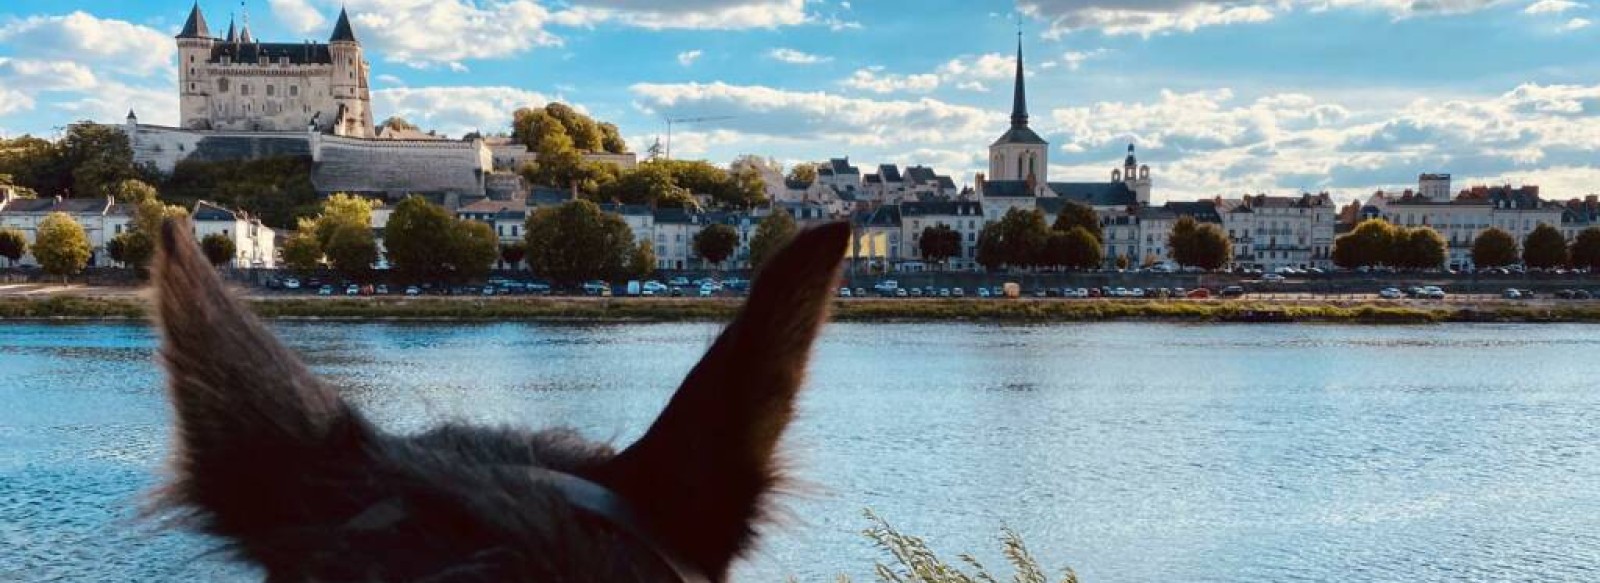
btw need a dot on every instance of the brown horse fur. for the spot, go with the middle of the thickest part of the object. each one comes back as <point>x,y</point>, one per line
<point>271,459</point>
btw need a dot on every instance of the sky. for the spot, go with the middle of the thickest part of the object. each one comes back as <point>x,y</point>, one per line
<point>1222,97</point>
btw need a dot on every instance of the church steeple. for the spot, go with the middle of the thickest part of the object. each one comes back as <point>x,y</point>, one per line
<point>1019,99</point>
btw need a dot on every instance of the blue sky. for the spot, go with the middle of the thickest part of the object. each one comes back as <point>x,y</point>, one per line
<point>1222,97</point>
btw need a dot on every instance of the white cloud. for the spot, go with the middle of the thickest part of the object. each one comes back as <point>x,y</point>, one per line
<point>14,101</point>
<point>82,37</point>
<point>455,110</point>
<point>426,32</point>
<point>986,67</point>
<point>1149,17</point>
<point>875,80</point>
<point>299,16</point>
<point>388,79</point>
<point>685,14</point>
<point>795,57</point>
<point>687,58</point>
<point>1075,59</point>
<point>32,75</point>
<point>1552,6</point>
<point>819,116</point>
<point>1575,24</point>
<point>110,101</point>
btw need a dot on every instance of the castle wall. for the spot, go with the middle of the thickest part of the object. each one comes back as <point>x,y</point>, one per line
<point>164,147</point>
<point>272,97</point>
<point>400,167</point>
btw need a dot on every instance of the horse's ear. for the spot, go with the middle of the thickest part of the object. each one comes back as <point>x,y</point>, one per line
<point>252,422</point>
<point>701,471</point>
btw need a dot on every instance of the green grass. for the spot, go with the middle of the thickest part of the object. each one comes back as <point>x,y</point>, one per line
<point>912,561</point>
<point>857,310</point>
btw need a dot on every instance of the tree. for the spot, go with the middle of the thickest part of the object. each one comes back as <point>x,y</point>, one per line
<point>133,191</point>
<point>803,173</point>
<point>651,184</point>
<point>1076,214</point>
<point>1419,248</point>
<point>61,246</point>
<point>117,247</point>
<point>1494,248</point>
<point>512,253</point>
<point>98,157</point>
<point>301,251</point>
<point>611,139</point>
<point>1018,239</point>
<point>715,243</point>
<point>584,132</point>
<point>1372,243</point>
<point>396,122</point>
<point>576,241</point>
<point>771,235</point>
<point>13,245</point>
<point>1544,248</point>
<point>473,249</point>
<point>218,248</point>
<point>939,243</point>
<point>351,249</point>
<point>991,249</point>
<point>1122,261</point>
<point>1081,248</point>
<point>643,261</point>
<point>1586,249</point>
<point>417,239</point>
<point>1199,245</point>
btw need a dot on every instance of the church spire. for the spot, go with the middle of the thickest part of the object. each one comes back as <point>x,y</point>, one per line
<point>1019,101</point>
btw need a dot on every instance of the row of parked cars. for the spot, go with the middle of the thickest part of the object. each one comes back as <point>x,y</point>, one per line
<point>1426,292</point>
<point>893,290</point>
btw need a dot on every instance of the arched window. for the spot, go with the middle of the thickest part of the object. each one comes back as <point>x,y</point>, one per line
<point>1031,160</point>
<point>1020,175</point>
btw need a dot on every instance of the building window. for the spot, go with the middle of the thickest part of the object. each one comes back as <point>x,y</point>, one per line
<point>270,90</point>
<point>222,85</point>
<point>244,88</point>
<point>294,91</point>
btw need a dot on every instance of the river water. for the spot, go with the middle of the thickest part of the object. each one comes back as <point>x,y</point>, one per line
<point>1132,452</point>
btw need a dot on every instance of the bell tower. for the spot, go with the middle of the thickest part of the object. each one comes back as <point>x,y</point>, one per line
<point>1020,154</point>
<point>349,86</point>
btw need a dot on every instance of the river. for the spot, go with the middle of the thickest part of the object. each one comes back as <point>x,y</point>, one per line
<point>1131,452</point>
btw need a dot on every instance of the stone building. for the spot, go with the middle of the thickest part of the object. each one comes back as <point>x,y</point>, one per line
<point>237,82</point>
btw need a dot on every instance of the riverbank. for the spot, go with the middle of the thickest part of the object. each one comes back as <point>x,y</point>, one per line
<point>857,310</point>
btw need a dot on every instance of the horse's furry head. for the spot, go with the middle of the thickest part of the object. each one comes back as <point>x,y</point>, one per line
<point>269,457</point>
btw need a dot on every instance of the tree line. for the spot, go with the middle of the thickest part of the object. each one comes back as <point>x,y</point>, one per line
<point>1024,239</point>
<point>1376,242</point>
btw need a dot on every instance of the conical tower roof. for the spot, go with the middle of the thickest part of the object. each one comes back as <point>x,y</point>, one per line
<point>195,26</point>
<point>342,30</point>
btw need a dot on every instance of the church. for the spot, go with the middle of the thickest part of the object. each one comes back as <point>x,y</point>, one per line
<point>1019,171</point>
<point>237,82</point>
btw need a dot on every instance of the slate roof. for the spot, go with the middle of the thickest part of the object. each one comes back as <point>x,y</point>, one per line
<point>55,205</point>
<point>883,216</point>
<point>195,27</point>
<point>205,211</point>
<point>499,209</point>
<point>942,208</point>
<point>674,215</point>
<point>547,196</point>
<point>1006,189</point>
<point>890,173</point>
<point>1019,135</point>
<point>1204,211</point>
<point>342,30</point>
<point>298,53</point>
<point>1096,193</point>
<point>841,166</point>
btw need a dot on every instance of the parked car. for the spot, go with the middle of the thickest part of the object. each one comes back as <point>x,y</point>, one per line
<point>655,287</point>
<point>291,283</point>
<point>1272,278</point>
<point>1390,293</point>
<point>326,290</point>
<point>413,291</point>
<point>901,292</point>
<point>1433,292</point>
<point>679,281</point>
<point>596,288</point>
<point>382,289</point>
<point>1511,293</point>
<point>1095,292</point>
<point>916,292</point>
<point>844,292</point>
<point>1051,292</point>
<point>1198,293</point>
<point>944,292</point>
<point>958,292</point>
<point>707,291</point>
<point>886,287</point>
<point>983,292</point>
<point>488,290</point>
<point>1582,294</point>
<point>1232,291</point>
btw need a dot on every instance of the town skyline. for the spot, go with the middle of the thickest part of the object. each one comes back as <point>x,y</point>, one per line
<point>830,82</point>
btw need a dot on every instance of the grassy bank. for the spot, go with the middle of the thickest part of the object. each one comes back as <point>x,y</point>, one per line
<point>859,310</point>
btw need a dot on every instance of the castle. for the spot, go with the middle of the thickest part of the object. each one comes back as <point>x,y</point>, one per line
<point>240,83</point>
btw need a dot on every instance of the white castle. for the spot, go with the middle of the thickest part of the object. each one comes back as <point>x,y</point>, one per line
<point>242,99</point>
<point>239,83</point>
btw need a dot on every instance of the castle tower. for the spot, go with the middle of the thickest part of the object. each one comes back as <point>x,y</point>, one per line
<point>1020,154</point>
<point>349,85</point>
<point>1136,176</point>
<point>194,49</point>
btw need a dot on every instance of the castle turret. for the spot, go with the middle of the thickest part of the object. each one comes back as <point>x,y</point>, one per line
<point>350,90</point>
<point>194,50</point>
<point>1137,177</point>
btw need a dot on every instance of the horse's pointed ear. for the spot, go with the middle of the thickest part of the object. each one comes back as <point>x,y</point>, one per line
<point>251,420</point>
<point>701,471</point>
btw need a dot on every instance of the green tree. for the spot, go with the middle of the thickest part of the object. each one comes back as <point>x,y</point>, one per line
<point>715,243</point>
<point>301,252</point>
<point>276,189</point>
<point>771,235</point>
<point>1122,261</point>
<point>1018,239</point>
<point>803,173</point>
<point>1585,251</point>
<point>218,248</point>
<point>417,239</point>
<point>116,248</point>
<point>61,246</point>
<point>650,184</point>
<point>13,245</point>
<point>1544,248</point>
<point>513,253</point>
<point>1076,214</point>
<point>611,139</point>
<point>585,134</point>
<point>1196,244</point>
<point>643,262</point>
<point>34,165</point>
<point>1419,248</point>
<point>473,249</point>
<point>1372,243</point>
<point>396,122</point>
<point>939,243</point>
<point>1494,248</point>
<point>991,247</point>
<point>576,241</point>
<point>1075,248</point>
<point>133,191</point>
<point>98,157</point>
<point>351,249</point>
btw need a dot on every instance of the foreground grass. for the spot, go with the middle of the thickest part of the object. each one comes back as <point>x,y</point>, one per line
<point>913,562</point>
<point>859,310</point>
